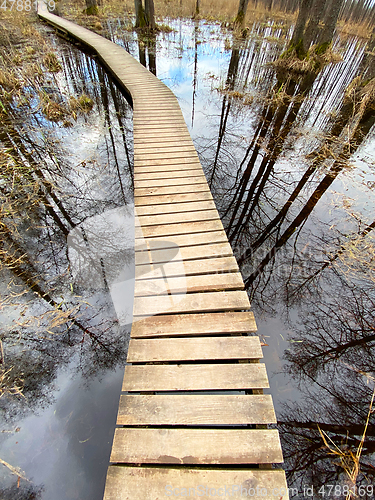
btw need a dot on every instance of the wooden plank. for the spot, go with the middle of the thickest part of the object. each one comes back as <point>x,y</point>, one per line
<point>167,175</point>
<point>176,218</point>
<point>188,284</point>
<point>166,161</point>
<point>168,198</point>
<point>152,483</point>
<point>195,377</point>
<point>194,349</point>
<point>178,228</point>
<point>172,181</point>
<point>175,208</point>
<point>155,255</point>
<point>196,446</point>
<point>192,302</point>
<point>180,144</point>
<point>143,135</point>
<point>194,324</point>
<point>197,409</point>
<point>157,122</point>
<point>144,169</point>
<point>182,240</point>
<point>168,153</point>
<point>159,191</point>
<point>189,268</point>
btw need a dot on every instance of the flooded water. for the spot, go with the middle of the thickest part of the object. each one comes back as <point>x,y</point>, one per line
<point>290,161</point>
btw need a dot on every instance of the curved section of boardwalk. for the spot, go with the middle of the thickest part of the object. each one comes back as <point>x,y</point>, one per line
<point>192,418</point>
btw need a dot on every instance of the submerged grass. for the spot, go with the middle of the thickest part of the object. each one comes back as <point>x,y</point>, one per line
<point>349,460</point>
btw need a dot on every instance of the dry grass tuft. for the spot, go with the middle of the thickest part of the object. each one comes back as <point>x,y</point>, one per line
<point>83,103</point>
<point>290,63</point>
<point>9,80</point>
<point>52,63</point>
<point>361,30</point>
<point>52,110</point>
<point>349,460</point>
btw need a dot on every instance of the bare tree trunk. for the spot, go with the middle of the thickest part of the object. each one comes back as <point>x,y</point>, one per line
<point>197,8</point>
<point>312,29</point>
<point>241,14</point>
<point>297,38</point>
<point>150,14</point>
<point>330,21</point>
<point>91,8</point>
<point>140,20</point>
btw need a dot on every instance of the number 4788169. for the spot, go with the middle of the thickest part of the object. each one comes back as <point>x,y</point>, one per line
<point>25,5</point>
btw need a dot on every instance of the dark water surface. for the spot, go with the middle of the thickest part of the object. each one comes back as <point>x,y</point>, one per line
<point>258,129</point>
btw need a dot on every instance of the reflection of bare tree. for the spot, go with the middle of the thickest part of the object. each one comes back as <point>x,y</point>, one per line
<point>331,357</point>
<point>43,198</point>
<point>23,491</point>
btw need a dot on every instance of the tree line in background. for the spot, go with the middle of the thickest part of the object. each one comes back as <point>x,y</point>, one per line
<point>314,11</point>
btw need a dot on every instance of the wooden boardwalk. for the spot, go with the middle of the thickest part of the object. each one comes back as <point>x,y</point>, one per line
<point>192,418</point>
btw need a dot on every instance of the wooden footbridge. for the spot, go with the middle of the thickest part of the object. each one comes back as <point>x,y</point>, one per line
<point>192,419</point>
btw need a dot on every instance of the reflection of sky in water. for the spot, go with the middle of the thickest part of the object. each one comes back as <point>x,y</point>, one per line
<point>66,446</point>
<point>58,447</point>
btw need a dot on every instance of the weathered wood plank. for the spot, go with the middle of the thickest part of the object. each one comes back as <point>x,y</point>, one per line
<point>180,144</point>
<point>176,218</point>
<point>153,483</point>
<point>192,302</point>
<point>180,160</point>
<point>194,349</point>
<point>188,284</point>
<point>172,181</point>
<point>170,190</point>
<point>189,268</point>
<point>166,155</point>
<point>194,324</point>
<point>195,377</point>
<point>140,176</point>
<point>185,167</point>
<point>182,240</point>
<point>196,446</point>
<point>175,208</point>
<point>144,135</point>
<point>155,255</point>
<point>197,409</point>
<point>178,228</point>
<point>169,199</point>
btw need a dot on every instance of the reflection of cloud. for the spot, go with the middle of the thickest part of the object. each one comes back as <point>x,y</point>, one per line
<point>101,254</point>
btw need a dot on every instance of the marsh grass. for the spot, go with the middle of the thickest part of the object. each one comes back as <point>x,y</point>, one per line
<point>349,459</point>
<point>52,63</point>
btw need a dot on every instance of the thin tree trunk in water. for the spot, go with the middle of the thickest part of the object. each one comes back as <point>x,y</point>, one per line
<point>231,78</point>
<point>91,8</point>
<point>241,14</point>
<point>150,14</point>
<point>151,50</point>
<point>330,21</point>
<point>195,78</point>
<point>197,8</point>
<point>297,38</point>
<point>312,29</point>
<point>140,21</point>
